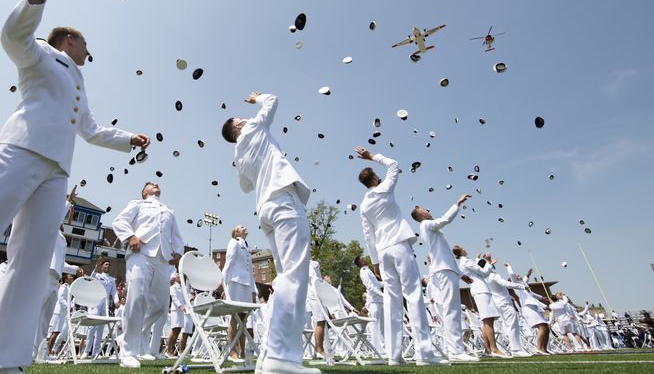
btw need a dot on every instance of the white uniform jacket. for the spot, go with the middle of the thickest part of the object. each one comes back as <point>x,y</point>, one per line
<point>154,223</point>
<point>260,161</point>
<point>238,263</point>
<point>176,298</point>
<point>440,252</point>
<point>109,284</point>
<point>62,299</point>
<point>54,105</point>
<point>57,263</point>
<point>381,218</point>
<point>526,297</point>
<point>314,274</point>
<point>374,293</point>
<point>499,287</point>
<point>477,273</point>
<point>560,311</point>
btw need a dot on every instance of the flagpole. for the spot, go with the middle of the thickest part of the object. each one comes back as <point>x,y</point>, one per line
<point>583,253</point>
<point>540,275</point>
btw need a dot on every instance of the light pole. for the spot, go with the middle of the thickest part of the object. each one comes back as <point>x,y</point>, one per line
<point>210,220</point>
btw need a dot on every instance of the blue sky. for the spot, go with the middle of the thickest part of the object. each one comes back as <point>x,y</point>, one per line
<point>584,66</point>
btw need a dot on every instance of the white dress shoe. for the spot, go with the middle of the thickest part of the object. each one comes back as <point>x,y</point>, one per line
<point>432,361</point>
<point>521,354</point>
<point>129,362</point>
<point>84,356</point>
<point>463,358</point>
<point>147,357</point>
<point>236,360</point>
<point>497,355</point>
<point>274,366</point>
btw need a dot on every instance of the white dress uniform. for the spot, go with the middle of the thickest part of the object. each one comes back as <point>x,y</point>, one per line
<point>57,267</point>
<point>531,308</point>
<point>179,309</point>
<point>444,275</point>
<point>159,327</point>
<point>561,313</point>
<point>504,302</point>
<point>95,334</point>
<point>36,151</point>
<point>148,274</point>
<point>237,273</point>
<point>389,237</point>
<point>281,197</point>
<point>314,306</point>
<point>61,308</point>
<point>479,288</point>
<point>375,305</point>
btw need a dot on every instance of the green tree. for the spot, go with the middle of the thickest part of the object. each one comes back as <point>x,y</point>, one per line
<point>335,258</point>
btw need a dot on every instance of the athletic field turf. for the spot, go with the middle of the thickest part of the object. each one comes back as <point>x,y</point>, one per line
<point>619,361</point>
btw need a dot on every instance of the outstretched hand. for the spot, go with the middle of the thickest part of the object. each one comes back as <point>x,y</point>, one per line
<point>252,98</point>
<point>140,140</point>
<point>363,153</point>
<point>462,199</point>
<point>72,195</point>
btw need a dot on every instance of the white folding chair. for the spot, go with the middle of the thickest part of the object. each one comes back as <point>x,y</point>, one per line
<point>204,275</point>
<point>349,330</point>
<point>89,292</point>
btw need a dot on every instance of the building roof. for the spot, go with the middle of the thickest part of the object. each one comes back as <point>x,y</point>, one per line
<point>86,204</point>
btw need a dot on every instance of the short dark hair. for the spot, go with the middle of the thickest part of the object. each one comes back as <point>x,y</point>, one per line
<point>357,261</point>
<point>229,131</point>
<point>415,215</point>
<point>58,34</point>
<point>366,176</point>
<point>145,185</point>
<point>458,251</point>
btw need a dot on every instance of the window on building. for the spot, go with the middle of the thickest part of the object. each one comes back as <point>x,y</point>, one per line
<point>74,243</point>
<point>91,220</point>
<point>263,265</point>
<point>78,218</point>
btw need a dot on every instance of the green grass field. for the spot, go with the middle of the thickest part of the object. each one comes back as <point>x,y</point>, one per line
<point>621,361</point>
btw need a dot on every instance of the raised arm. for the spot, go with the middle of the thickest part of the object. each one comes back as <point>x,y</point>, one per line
<point>502,282</point>
<point>448,217</point>
<point>392,172</point>
<point>266,114</point>
<point>18,33</point>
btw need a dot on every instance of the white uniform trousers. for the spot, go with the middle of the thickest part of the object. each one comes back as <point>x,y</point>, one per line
<point>95,334</point>
<point>148,289</point>
<point>47,309</point>
<point>608,343</point>
<point>448,298</point>
<point>32,193</point>
<point>376,311</point>
<point>284,221</point>
<point>401,277</point>
<point>157,334</point>
<point>511,323</point>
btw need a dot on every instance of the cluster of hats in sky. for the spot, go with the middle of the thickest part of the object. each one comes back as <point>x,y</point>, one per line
<point>298,25</point>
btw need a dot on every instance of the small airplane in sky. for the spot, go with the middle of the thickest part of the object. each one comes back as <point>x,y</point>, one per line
<point>418,37</point>
<point>488,39</point>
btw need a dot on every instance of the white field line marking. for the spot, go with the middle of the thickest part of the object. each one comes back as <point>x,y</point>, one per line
<point>557,362</point>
